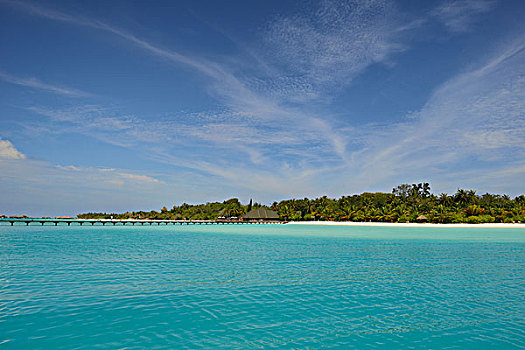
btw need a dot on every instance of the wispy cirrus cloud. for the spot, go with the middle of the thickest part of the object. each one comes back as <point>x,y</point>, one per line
<point>459,15</point>
<point>212,135</point>
<point>109,175</point>
<point>326,48</point>
<point>475,120</point>
<point>335,49</point>
<point>267,135</point>
<point>35,83</point>
<point>170,55</point>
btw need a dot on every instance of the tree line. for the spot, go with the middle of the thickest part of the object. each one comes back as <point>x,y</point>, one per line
<point>406,203</point>
<point>231,208</point>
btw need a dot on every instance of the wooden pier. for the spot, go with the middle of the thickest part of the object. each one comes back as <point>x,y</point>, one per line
<point>130,222</point>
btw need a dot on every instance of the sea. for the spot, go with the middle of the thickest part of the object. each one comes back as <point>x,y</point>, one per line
<point>261,287</point>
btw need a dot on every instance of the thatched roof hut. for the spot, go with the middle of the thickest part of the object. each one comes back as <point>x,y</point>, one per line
<point>421,218</point>
<point>261,214</point>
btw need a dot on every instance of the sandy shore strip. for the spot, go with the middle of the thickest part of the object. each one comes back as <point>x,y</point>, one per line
<point>398,224</point>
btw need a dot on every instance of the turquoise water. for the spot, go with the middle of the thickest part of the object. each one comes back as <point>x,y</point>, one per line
<point>249,287</point>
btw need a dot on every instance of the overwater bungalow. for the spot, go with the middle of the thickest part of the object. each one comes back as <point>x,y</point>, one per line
<point>261,214</point>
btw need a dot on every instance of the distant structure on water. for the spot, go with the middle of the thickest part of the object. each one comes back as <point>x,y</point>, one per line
<point>261,214</point>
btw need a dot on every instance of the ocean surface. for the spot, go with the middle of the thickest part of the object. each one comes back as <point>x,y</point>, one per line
<point>259,287</point>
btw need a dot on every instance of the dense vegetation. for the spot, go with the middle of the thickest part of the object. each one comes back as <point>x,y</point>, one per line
<point>405,203</point>
<point>230,208</point>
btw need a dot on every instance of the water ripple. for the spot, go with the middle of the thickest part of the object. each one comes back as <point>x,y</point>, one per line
<point>187,288</point>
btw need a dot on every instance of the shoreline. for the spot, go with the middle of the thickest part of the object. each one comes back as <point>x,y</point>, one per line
<point>399,224</point>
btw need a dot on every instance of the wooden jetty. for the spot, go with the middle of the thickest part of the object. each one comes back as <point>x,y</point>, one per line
<point>124,222</point>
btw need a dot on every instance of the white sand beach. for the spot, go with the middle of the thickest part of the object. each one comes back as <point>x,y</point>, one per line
<point>398,224</point>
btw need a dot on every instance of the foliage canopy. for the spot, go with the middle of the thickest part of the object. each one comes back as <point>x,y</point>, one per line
<point>405,204</point>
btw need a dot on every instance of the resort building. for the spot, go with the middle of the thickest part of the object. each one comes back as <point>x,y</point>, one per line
<point>261,214</point>
<point>421,218</point>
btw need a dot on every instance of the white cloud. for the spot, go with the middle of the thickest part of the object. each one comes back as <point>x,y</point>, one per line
<point>8,151</point>
<point>332,45</point>
<point>474,121</point>
<point>38,187</point>
<point>266,137</point>
<point>212,136</point>
<point>107,175</point>
<point>37,84</point>
<point>173,56</point>
<point>459,15</point>
<point>139,178</point>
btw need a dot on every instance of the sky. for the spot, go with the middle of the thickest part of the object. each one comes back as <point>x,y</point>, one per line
<point>135,105</point>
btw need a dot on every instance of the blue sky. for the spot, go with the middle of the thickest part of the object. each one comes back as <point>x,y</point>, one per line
<point>110,106</point>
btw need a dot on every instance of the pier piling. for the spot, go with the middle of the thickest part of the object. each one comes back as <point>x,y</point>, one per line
<point>81,222</point>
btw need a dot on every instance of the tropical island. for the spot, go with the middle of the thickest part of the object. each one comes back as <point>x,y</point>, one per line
<point>406,203</point>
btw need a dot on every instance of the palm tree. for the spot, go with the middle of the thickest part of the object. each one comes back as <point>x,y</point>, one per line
<point>464,197</point>
<point>425,190</point>
<point>444,199</point>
